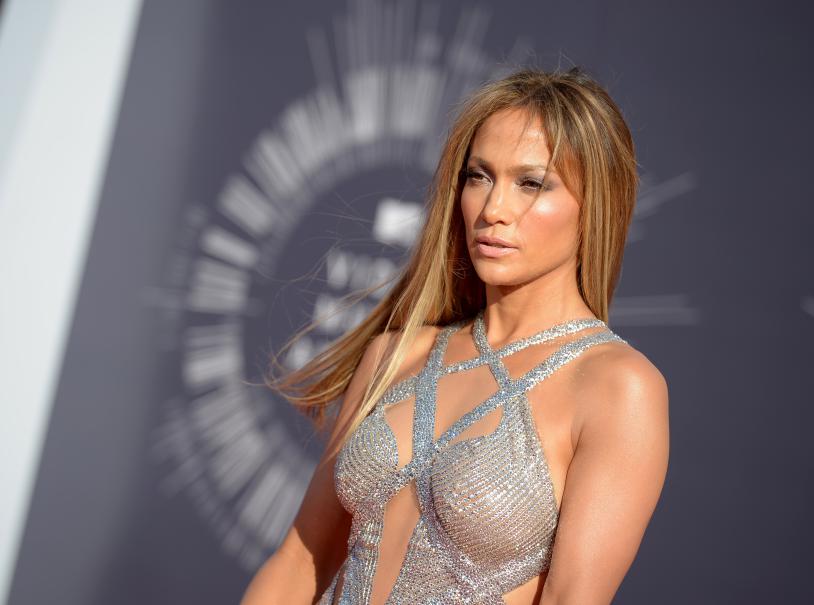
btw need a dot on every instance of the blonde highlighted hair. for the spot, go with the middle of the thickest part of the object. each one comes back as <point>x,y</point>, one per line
<point>591,149</point>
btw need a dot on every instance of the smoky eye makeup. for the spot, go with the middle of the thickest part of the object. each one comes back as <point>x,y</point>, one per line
<point>526,182</point>
<point>473,173</point>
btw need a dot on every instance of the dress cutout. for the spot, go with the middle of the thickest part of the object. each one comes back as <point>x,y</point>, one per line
<point>487,514</point>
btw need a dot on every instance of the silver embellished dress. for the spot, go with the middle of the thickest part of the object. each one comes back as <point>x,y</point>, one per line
<point>487,514</point>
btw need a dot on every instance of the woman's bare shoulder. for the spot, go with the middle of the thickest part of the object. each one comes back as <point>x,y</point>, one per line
<point>375,355</point>
<point>417,352</point>
<point>378,352</point>
<point>617,379</point>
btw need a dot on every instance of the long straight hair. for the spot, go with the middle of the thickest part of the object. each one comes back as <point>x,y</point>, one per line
<point>591,148</point>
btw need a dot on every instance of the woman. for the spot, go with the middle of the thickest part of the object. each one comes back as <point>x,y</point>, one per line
<point>496,442</point>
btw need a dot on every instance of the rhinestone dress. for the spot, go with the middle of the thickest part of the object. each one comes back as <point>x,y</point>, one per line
<point>487,512</point>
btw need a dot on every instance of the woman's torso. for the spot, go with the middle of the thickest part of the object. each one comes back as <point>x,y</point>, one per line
<point>451,492</point>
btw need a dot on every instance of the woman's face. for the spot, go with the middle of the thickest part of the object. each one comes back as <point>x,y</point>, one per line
<point>504,197</point>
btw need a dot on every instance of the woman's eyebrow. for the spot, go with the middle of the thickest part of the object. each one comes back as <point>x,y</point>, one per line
<point>514,169</point>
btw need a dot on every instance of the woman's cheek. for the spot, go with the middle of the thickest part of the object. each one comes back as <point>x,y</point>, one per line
<point>550,227</point>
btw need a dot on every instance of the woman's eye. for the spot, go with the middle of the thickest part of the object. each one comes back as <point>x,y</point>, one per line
<point>536,185</point>
<point>474,175</point>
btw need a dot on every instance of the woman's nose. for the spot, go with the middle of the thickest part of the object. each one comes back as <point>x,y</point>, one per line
<point>497,206</point>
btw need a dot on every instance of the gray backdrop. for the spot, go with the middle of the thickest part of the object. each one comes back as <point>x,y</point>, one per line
<point>265,160</point>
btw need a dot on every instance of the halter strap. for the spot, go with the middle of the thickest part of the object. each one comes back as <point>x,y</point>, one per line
<point>425,384</point>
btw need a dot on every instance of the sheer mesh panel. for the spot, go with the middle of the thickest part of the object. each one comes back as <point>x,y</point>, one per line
<point>447,477</point>
<point>402,511</point>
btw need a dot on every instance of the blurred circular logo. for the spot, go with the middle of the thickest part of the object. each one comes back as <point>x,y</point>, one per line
<point>327,201</point>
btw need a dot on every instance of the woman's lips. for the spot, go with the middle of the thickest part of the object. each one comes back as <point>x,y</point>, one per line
<point>494,251</point>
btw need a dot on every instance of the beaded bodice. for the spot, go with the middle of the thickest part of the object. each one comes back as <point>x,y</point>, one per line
<point>486,509</point>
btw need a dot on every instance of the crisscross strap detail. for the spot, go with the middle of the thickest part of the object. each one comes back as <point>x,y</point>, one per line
<point>406,387</point>
<point>444,546</point>
<point>425,386</point>
<point>474,586</point>
<point>511,387</point>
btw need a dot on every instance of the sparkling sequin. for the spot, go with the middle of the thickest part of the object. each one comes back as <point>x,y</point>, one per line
<point>487,511</point>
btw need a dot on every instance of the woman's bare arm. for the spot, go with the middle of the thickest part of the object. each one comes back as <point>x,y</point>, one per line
<point>614,480</point>
<point>316,544</point>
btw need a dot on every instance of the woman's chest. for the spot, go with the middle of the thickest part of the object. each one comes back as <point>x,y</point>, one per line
<point>491,493</point>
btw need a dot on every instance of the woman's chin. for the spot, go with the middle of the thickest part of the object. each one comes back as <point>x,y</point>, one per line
<point>492,277</point>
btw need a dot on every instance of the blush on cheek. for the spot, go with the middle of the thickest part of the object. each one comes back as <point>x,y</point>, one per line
<point>551,230</point>
<point>547,219</point>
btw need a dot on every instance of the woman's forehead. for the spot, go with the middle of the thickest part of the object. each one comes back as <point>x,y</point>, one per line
<point>511,134</point>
